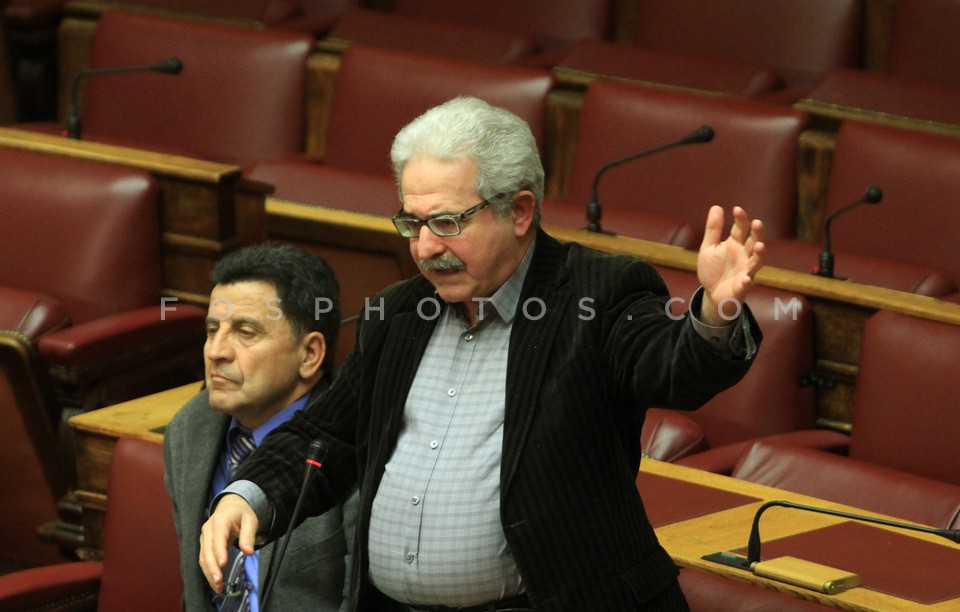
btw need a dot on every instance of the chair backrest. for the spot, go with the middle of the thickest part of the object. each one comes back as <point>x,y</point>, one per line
<point>551,22</point>
<point>907,403</point>
<point>751,161</point>
<point>921,32</point>
<point>378,91</point>
<point>141,558</point>
<point>799,38</point>
<point>770,398</point>
<point>83,233</point>
<point>422,35</point>
<point>844,480</point>
<point>240,94</point>
<point>32,474</point>
<point>918,173</point>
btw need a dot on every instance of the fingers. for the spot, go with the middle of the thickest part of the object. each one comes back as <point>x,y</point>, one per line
<point>713,230</point>
<point>232,516</point>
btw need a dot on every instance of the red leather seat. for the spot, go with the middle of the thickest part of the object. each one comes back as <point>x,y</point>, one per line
<point>903,446</point>
<point>907,241</point>
<point>852,482</point>
<point>141,562</point>
<point>770,400</point>
<point>918,82</point>
<point>355,172</point>
<point>775,44</point>
<point>752,162</point>
<point>530,32</point>
<point>240,96</point>
<point>85,282</point>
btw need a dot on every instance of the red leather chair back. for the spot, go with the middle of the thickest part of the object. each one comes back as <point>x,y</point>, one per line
<point>751,162</point>
<point>852,482</point>
<point>907,403</point>
<point>922,31</point>
<point>141,558</point>
<point>918,221</point>
<point>551,22</point>
<point>378,91</point>
<point>83,233</point>
<point>240,95</point>
<point>799,38</point>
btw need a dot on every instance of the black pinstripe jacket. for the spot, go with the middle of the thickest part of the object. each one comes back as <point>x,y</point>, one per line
<point>595,352</point>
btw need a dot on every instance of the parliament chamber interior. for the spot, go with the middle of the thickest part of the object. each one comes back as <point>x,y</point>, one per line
<point>836,122</point>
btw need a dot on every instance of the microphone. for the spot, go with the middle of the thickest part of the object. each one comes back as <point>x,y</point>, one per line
<point>801,573</point>
<point>872,195</point>
<point>704,133</point>
<point>315,455</point>
<point>168,66</point>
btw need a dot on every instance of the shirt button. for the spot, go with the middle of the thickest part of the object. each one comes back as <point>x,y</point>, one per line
<point>409,557</point>
<point>451,391</point>
<point>415,500</point>
<point>434,443</point>
<point>468,337</point>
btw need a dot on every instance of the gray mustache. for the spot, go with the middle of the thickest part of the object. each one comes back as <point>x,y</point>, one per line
<point>447,262</point>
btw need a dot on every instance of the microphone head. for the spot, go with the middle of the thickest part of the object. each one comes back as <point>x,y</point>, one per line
<point>318,450</point>
<point>172,66</point>
<point>873,195</point>
<point>704,133</point>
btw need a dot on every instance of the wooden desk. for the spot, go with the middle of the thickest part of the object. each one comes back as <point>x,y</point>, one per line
<point>686,540</point>
<point>728,530</point>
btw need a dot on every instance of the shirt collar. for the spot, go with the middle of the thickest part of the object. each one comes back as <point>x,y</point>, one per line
<point>275,421</point>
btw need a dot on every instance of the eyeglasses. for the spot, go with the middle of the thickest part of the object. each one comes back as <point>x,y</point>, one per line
<point>441,225</point>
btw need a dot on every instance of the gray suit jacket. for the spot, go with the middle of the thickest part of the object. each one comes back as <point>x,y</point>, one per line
<point>316,560</point>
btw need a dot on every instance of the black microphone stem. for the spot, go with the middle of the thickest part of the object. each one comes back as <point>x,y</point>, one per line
<point>315,455</point>
<point>873,195</point>
<point>753,545</point>
<point>704,133</point>
<point>169,66</point>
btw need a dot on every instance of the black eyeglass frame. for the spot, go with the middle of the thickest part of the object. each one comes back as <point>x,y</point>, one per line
<point>399,219</point>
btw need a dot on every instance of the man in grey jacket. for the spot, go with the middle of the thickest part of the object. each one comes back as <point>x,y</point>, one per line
<point>271,334</point>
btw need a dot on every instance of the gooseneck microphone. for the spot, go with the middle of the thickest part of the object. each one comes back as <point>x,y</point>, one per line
<point>315,456</point>
<point>753,543</point>
<point>704,133</point>
<point>802,573</point>
<point>168,66</point>
<point>872,195</point>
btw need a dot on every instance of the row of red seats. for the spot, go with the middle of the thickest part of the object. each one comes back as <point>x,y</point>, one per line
<point>240,99</point>
<point>902,446</point>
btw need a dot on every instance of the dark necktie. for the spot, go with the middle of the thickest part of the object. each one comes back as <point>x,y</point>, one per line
<point>241,445</point>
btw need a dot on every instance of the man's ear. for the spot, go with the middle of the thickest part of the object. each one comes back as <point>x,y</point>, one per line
<point>524,205</point>
<point>313,349</point>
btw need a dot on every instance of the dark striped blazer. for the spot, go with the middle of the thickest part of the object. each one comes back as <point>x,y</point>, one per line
<point>591,351</point>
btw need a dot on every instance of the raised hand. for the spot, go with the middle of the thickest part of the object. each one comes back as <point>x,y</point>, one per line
<point>726,268</point>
